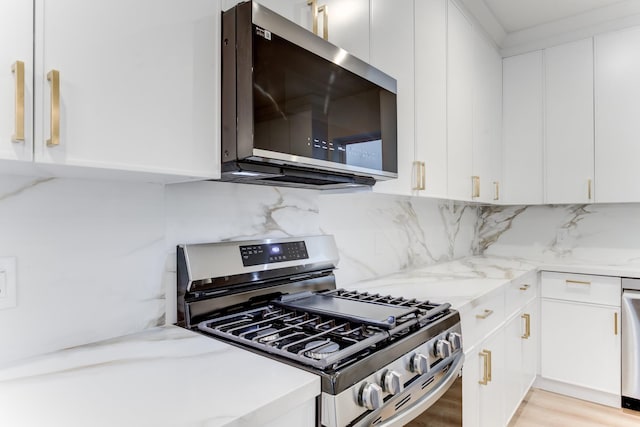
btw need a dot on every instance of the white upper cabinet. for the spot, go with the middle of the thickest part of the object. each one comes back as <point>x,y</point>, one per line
<point>460,69</point>
<point>569,123</point>
<point>394,56</point>
<point>16,89</point>
<point>487,121</point>
<point>129,86</point>
<point>346,21</point>
<point>522,115</point>
<point>431,96</point>
<point>617,112</point>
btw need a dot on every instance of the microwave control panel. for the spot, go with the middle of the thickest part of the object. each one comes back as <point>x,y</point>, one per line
<point>269,253</point>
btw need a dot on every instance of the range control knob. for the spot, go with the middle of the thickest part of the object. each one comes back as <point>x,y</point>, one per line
<point>392,382</point>
<point>370,396</point>
<point>419,364</point>
<point>443,349</point>
<point>456,340</point>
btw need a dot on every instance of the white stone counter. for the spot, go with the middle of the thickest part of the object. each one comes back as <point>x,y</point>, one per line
<point>468,280</point>
<point>173,377</point>
<point>163,377</point>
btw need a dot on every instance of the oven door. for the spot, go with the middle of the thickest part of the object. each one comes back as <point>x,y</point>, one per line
<point>434,399</point>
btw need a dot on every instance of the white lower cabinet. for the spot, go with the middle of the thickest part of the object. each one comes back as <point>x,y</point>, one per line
<point>501,363</point>
<point>521,338</point>
<point>580,347</point>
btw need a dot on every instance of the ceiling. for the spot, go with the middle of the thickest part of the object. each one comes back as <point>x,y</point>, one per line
<point>517,15</point>
<point>518,26</point>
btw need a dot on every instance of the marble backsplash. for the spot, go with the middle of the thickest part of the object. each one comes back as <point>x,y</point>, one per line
<point>89,261</point>
<point>96,259</point>
<point>598,234</point>
<point>376,234</point>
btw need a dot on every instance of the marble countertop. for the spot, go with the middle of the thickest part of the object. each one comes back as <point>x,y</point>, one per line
<point>165,376</point>
<point>173,377</point>
<point>466,280</point>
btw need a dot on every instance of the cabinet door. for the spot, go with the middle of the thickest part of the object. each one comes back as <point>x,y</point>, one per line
<point>491,396</point>
<point>483,383</point>
<point>394,56</point>
<point>521,352</point>
<point>617,108</point>
<point>16,31</point>
<point>513,384</point>
<point>431,94</point>
<point>349,26</point>
<point>460,56</point>
<point>139,84</point>
<point>347,21</point>
<point>580,344</point>
<point>530,345</point>
<point>569,122</point>
<point>487,119</point>
<point>522,129</point>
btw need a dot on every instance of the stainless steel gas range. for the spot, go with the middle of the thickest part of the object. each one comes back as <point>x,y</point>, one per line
<point>382,360</point>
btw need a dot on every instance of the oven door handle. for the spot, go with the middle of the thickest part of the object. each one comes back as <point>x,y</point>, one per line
<point>408,414</point>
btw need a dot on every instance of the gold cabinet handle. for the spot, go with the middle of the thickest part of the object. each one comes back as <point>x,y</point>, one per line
<point>476,186</point>
<point>417,167</point>
<point>577,282</point>
<point>496,194</point>
<point>486,356</point>
<point>527,326</point>
<point>53,77</point>
<point>420,170</point>
<point>324,9</point>
<point>615,323</point>
<point>18,69</point>
<point>524,287</point>
<point>485,314</point>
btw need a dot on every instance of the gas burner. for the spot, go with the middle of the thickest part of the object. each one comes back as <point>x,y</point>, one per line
<point>320,349</point>
<point>268,335</point>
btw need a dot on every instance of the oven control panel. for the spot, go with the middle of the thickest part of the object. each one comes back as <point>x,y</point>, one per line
<point>268,253</point>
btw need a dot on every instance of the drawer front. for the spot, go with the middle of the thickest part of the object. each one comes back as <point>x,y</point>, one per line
<point>485,315</point>
<point>520,292</point>
<point>604,290</point>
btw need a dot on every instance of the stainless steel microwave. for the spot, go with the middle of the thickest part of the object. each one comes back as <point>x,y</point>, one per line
<point>299,111</point>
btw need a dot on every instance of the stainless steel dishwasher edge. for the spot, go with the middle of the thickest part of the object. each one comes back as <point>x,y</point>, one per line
<point>631,344</point>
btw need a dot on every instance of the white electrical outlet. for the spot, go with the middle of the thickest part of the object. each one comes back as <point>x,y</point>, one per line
<point>7,282</point>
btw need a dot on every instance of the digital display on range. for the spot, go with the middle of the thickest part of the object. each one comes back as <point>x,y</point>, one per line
<point>273,252</point>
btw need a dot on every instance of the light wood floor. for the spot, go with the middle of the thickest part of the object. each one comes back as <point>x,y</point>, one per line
<point>542,408</point>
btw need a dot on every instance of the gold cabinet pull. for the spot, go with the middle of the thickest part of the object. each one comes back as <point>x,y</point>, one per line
<point>496,194</point>
<point>420,171</point>
<point>476,186</point>
<point>527,326</point>
<point>485,314</point>
<point>53,77</point>
<point>18,69</point>
<point>524,287</point>
<point>615,323</point>
<point>315,10</point>
<point>589,189</point>
<point>577,282</point>
<point>417,168</point>
<point>486,356</point>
